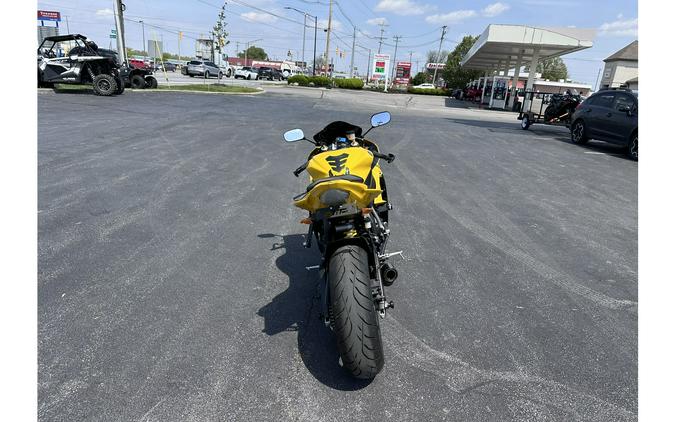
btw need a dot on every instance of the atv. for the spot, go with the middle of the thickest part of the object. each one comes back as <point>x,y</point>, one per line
<point>72,59</point>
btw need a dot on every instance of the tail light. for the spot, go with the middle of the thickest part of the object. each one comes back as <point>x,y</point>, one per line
<point>578,106</point>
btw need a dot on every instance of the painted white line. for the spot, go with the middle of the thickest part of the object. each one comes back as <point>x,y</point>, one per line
<point>596,153</point>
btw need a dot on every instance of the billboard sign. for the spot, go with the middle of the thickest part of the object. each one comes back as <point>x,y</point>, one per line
<point>380,66</point>
<point>432,66</point>
<point>155,48</point>
<point>47,15</point>
<point>402,73</point>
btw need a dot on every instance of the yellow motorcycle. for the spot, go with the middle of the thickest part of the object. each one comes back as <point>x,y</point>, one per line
<point>349,216</point>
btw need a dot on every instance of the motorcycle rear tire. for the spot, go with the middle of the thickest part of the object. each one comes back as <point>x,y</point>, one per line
<point>356,322</point>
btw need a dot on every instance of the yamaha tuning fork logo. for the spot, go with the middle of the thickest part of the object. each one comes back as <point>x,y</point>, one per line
<point>337,162</point>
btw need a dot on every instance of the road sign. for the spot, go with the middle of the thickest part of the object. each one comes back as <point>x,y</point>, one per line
<point>47,15</point>
<point>380,66</point>
<point>113,34</point>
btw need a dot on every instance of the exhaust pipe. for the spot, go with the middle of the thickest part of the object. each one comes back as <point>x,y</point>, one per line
<point>389,274</point>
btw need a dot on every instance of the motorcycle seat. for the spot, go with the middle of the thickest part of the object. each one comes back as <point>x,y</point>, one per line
<point>347,177</point>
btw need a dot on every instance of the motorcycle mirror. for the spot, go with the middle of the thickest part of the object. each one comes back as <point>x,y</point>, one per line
<point>380,119</point>
<point>294,135</point>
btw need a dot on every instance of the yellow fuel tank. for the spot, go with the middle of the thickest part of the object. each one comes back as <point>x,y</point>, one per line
<point>325,168</point>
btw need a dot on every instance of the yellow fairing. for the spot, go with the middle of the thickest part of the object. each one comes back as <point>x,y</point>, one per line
<point>355,161</point>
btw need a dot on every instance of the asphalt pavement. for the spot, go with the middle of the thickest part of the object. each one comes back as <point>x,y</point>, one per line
<point>172,282</point>
<point>176,79</point>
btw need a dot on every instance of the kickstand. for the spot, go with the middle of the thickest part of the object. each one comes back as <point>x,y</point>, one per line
<point>308,241</point>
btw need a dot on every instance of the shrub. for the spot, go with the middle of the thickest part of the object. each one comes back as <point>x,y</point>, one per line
<point>428,91</point>
<point>301,80</point>
<point>321,81</point>
<point>352,83</point>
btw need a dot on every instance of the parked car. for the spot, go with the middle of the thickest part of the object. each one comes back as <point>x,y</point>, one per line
<point>610,116</point>
<point>246,72</point>
<point>140,64</point>
<point>227,70</point>
<point>269,73</point>
<point>424,86</point>
<point>169,67</point>
<point>203,68</point>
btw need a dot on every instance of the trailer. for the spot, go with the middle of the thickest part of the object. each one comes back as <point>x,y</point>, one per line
<point>533,110</point>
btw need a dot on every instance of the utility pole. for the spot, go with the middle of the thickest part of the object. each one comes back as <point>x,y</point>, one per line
<point>397,38</point>
<point>368,66</point>
<point>304,34</point>
<point>382,25</point>
<point>330,20</point>
<point>351,65</point>
<point>246,51</point>
<point>314,57</point>
<point>118,7</point>
<point>145,52</point>
<point>180,37</point>
<point>410,59</point>
<point>67,26</point>
<point>305,14</point>
<point>438,56</point>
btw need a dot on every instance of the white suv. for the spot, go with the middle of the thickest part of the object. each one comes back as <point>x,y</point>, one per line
<point>246,72</point>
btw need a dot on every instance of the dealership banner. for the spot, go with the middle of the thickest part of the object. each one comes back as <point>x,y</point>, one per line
<point>46,15</point>
<point>381,67</point>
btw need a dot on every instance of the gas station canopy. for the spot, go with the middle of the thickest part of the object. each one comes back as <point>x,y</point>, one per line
<point>500,44</point>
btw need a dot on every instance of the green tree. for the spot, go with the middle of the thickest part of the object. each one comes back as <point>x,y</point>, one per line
<point>219,33</point>
<point>420,78</point>
<point>132,52</point>
<point>453,74</point>
<point>552,69</point>
<point>255,53</point>
<point>434,57</point>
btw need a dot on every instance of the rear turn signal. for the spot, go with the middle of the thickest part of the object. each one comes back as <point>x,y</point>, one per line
<point>366,211</point>
<point>306,221</point>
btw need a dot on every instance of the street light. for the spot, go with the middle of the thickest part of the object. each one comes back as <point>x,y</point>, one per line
<point>304,27</point>
<point>246,51</point>
<point>145,53</point>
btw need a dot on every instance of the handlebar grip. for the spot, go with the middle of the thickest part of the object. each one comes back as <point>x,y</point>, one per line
<point>386,157</point>
<point>299,170</point>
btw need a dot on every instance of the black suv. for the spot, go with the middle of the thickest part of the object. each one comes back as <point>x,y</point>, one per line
<point>610,116</point>
<point>269,73</point>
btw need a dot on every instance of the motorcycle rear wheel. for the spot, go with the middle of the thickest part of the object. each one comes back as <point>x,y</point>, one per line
<point>356,322</point>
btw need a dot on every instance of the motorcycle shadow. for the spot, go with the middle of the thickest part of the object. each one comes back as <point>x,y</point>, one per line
<point>298,309</point>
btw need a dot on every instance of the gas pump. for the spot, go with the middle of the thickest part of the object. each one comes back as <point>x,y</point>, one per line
<point>487,90</point>
<point>500,85</point>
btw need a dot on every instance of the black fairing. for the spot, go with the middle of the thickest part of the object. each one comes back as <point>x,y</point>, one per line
<point>335,129</point>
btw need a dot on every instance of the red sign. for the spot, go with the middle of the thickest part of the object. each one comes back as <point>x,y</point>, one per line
<point>433,66</point>
<point>46,15</point>
<point>402,73</point>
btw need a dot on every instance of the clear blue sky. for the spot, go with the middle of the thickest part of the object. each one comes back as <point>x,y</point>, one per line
<point>417,21</point>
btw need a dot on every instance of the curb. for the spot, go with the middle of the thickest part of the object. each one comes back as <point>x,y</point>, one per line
<point>260,91</point>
